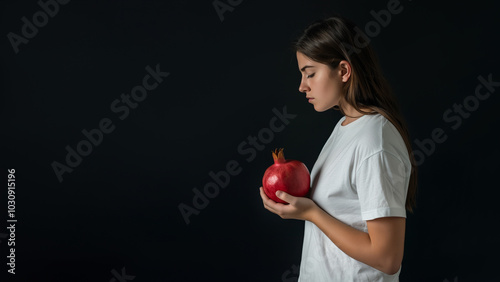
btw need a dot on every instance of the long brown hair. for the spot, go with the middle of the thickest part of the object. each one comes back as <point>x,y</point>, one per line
<point>329,41</point>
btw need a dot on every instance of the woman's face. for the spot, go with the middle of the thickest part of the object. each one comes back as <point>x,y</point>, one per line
<point>321,83</point>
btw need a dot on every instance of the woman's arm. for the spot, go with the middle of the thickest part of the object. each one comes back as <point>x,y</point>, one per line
<point>381,248</point>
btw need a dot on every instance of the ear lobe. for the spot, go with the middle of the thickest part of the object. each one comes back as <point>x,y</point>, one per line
<point>345,77</point>
<point>346,71</point>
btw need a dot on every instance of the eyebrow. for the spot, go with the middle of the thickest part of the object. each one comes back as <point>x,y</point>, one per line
<point>305,67</point>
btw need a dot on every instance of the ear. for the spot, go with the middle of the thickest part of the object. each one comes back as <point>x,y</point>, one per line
<point>345,69</point>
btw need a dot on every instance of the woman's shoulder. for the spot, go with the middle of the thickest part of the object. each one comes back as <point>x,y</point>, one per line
<point>379,126</point>
<point>379,134</point>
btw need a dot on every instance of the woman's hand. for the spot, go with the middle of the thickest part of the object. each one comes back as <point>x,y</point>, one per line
<point>301,208</point>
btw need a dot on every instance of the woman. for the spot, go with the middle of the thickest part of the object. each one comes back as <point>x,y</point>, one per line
<point>365,176</point>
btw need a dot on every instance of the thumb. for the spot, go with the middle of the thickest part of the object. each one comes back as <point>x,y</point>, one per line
<point>285,196</point>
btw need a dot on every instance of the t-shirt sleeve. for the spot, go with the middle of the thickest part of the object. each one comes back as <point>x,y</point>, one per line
<point>381,181</point>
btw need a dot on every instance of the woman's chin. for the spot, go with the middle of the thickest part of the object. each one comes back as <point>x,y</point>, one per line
<point>319,109</point>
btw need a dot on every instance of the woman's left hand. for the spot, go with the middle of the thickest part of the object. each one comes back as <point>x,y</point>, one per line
<point>300,208</point>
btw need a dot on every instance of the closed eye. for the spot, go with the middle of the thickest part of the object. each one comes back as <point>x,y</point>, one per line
<point>311,75</point>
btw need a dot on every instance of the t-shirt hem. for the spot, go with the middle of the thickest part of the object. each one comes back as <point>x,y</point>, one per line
<point>383,212</point>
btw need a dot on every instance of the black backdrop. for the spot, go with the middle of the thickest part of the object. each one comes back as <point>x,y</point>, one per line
<point>116,214</point>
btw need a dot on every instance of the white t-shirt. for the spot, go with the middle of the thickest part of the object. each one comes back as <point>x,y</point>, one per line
<point>362,173</point>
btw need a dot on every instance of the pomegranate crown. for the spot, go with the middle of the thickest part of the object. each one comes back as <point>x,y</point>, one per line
<point>278,156</point>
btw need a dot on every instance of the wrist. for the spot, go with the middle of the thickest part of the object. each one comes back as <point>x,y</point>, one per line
<point>313,213</point>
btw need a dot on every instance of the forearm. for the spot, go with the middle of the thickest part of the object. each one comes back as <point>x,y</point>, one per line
<point>355,243</point>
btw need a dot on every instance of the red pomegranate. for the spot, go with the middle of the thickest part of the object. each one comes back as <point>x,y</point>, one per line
<point>290,176</point>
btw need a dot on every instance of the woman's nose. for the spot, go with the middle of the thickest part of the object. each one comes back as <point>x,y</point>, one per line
<point>303,88</point>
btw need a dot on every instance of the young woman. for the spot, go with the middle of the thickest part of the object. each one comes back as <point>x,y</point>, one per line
<point>365,176</point>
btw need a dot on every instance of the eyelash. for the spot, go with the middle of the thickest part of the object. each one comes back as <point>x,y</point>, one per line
<point>309,76</point>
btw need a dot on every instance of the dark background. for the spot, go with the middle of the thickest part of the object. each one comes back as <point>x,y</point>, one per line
<point>119,207</point>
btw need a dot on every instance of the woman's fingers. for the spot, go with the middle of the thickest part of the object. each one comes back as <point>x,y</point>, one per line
<point>268,203</point>
<point>286,197</point>
<point>297,208</point>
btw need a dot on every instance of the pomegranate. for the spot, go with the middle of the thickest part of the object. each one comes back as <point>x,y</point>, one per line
<point>290,176</point>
